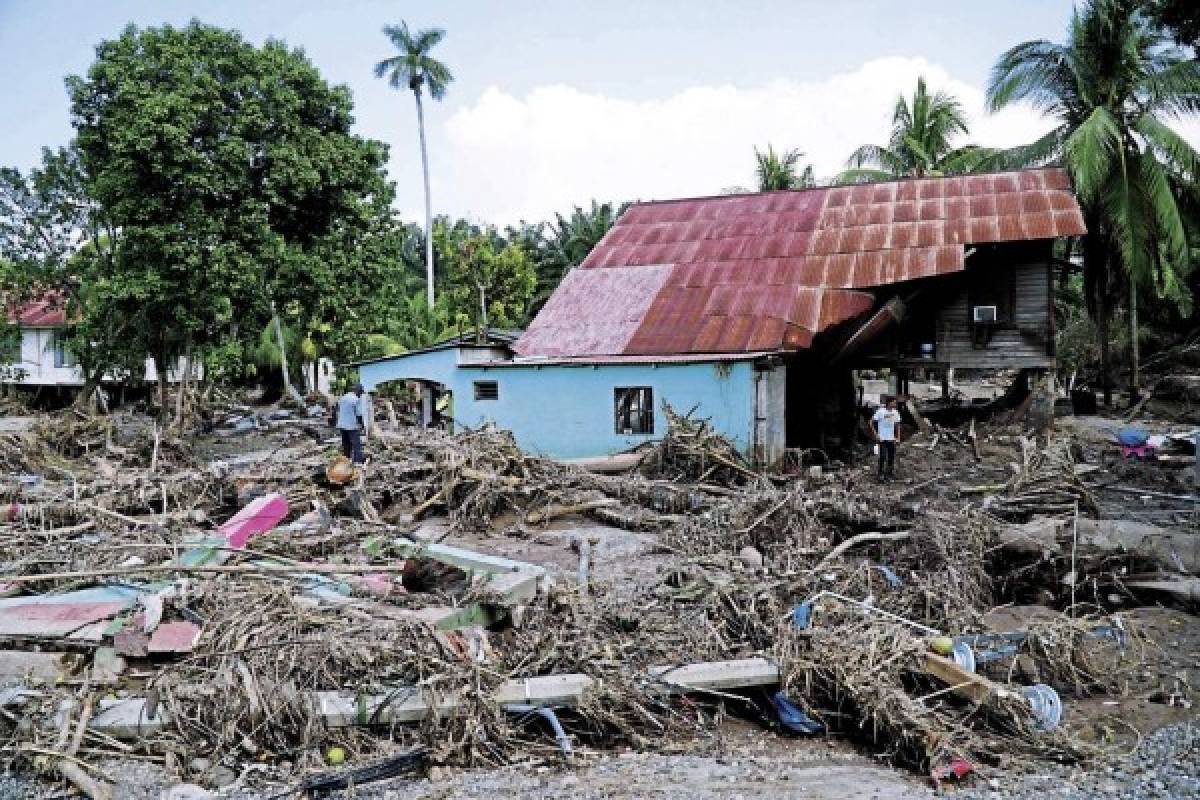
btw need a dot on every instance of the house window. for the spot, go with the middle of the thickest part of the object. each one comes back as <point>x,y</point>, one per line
<point>634,409</point>
<point>63,358</point>
<point>487,390</point>
<point>993,287</point>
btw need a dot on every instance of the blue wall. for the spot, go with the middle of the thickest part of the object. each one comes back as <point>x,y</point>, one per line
<point>567,411</point>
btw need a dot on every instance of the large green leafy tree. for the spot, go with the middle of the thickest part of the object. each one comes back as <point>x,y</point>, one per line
<point>231,172</point>
<point>413,68</point>
<point>1112,88</point>
<point>778,171</point>
<point>488,280</point>
<point>922,142</point>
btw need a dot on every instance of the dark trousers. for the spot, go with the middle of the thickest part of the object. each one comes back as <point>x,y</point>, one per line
<point>887,457</point>
<point>352,445</point>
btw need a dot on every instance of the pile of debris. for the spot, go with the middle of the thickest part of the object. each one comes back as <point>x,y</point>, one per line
<point>277,610</point>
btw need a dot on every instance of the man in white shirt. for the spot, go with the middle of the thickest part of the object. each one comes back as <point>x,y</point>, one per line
<point>884,425</point>
<point>350,414</point>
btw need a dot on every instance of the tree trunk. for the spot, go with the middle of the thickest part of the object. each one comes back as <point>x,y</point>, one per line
<point>1102,331</point>
<point>1096,290</point>
<point>283,364</point>
<point>181,389</point>
<point>1134,354</point>
<point>160,363</point>
<point>428,203</point>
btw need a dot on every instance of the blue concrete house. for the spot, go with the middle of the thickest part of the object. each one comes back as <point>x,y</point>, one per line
<point>753,310</point>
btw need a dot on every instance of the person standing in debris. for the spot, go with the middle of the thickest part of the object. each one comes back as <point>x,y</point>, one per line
<point>884,425</point>
<point>350,416</point>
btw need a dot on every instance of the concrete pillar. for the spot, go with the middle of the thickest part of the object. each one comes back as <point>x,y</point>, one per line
<point>1041,410</point>
<point>894,382</point>
<point>426,405</point>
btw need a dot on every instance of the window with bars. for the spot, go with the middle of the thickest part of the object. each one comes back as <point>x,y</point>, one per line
<point>634,409</point>
<point>487,390</point>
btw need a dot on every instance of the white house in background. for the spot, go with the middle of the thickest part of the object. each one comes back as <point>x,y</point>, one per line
<point>318,376</point>
<point>39,358</point>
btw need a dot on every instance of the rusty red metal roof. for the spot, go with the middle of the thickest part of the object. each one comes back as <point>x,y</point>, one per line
<point>770,271</point>
<point>49,311</point>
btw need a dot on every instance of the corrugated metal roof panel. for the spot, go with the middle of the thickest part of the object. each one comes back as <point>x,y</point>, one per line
<point>48,311</point>
<point>741,259</point>
<point>593,311</point>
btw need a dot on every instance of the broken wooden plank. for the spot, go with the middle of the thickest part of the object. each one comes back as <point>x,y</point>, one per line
<point>58,615</point>
<point>976,688</point>
<point>922,423</point>
<point>738,674</point>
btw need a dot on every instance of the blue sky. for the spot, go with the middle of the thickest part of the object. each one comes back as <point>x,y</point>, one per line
<point>558,102</point>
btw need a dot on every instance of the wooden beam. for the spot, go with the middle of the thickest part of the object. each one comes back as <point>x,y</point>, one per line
<point>922,423</point>
<point>976,688</point>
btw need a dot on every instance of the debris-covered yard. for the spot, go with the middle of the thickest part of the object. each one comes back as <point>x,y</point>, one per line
<point>241,612</point>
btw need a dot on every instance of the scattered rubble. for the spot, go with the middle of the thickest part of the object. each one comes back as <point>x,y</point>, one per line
<point>278,616</point>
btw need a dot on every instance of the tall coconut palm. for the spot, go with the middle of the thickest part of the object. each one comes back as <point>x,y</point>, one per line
<point>777,171</point>
<point>1111,89</point>
<point>921,142</point>
<point>414,69</point>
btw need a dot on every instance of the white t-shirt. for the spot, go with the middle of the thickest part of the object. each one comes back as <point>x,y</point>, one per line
<point>885,422</point>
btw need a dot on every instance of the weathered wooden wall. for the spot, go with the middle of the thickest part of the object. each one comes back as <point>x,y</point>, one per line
<point>1026,340</point>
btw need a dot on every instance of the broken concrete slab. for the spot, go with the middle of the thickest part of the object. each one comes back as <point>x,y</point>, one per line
<point>466,560</point>
<point>128,719</point>
<point>107,666</point>
<point>32,669</point>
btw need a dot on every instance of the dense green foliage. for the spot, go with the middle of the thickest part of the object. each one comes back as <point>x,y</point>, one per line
<point>1112,89</point>
<point>488,280</point>
<point>234,180</point>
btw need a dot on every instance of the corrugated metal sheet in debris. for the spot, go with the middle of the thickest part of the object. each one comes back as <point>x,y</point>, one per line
<point>593,312</point>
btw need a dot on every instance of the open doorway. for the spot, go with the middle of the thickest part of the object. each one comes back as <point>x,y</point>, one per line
<point>821,407</point>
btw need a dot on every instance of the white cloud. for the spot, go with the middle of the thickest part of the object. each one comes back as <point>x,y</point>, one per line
<point>504,158</point>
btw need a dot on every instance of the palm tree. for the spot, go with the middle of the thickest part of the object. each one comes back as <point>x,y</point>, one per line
<point>921,142</point>
<point>1110,89</point>
<point>413,68</point>
<point>778,171</point>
